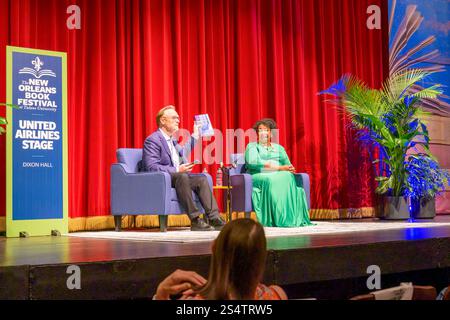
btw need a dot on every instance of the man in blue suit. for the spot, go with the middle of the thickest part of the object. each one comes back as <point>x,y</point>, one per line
<point>162,153</point>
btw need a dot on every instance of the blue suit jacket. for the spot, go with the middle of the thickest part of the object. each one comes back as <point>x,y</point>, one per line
<point>156,154</point>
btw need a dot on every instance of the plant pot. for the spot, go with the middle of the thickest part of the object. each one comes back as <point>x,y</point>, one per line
<point>423,208</point>
<point>395,208</point>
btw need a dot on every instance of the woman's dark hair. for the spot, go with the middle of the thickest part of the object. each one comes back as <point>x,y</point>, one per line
<point>238,261</point>
<point>269,123</point>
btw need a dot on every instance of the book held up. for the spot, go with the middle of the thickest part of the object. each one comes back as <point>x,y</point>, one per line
<point>206,129</point>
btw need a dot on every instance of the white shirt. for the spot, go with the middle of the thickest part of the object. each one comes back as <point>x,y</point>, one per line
<point>173,151</point>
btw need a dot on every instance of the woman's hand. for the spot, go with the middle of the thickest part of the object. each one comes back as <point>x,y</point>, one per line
<point>271,166</point>
<point>179,282</point>
<point>274,167</point>
<point>289,168</point>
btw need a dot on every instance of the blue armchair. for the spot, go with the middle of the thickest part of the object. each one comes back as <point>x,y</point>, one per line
<point>241,194</point>
<point>141,193</point>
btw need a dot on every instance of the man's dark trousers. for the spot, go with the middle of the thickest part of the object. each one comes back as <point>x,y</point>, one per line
<point>184,184</point>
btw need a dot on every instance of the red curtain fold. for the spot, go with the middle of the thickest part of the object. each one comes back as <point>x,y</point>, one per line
<point>236,60</point>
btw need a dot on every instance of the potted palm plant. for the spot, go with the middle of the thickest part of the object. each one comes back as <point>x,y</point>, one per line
<point>389,118</point>
<point>426,180</point>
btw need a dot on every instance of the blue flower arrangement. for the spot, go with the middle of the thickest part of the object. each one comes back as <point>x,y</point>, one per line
<point>426,179</point>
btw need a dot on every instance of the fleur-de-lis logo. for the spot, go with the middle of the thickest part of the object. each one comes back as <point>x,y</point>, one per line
<point>37,72</point>
<point>37,63</point>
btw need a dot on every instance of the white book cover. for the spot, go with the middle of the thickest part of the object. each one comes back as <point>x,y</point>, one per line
<point>206,128</point>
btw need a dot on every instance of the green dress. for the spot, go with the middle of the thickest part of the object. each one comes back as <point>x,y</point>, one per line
<point>277,200</point>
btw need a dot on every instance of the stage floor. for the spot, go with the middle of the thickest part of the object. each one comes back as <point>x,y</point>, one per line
<point>36,267</point>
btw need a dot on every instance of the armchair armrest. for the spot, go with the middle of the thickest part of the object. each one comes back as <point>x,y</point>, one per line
<point>241,194</point>
<point>139,193</point>
<point>302,180</point>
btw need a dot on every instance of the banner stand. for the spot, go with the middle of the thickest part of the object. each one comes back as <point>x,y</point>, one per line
<point>36,143</point>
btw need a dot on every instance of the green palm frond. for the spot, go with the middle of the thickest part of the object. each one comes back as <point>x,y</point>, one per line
<point>399,84</point>
<point>360,99</point>
<point>430,93</point>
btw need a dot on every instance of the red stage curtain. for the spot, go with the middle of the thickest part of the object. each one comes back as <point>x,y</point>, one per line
<point>236,60</point>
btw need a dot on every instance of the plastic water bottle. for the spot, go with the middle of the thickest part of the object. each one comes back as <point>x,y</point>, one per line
<point>219,176</point>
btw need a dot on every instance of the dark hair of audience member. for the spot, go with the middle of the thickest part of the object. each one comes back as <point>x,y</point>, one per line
<point>237,263</point>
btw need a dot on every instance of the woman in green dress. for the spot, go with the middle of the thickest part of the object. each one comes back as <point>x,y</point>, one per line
<point>277,200</point>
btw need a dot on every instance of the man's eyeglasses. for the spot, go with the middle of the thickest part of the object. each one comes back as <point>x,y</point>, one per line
<point>173,117</point>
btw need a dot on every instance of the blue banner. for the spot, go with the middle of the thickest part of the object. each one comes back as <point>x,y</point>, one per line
<point>37,148</point>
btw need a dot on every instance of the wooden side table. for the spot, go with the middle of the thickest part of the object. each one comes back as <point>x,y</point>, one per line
<point>228,195</point>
